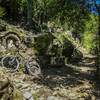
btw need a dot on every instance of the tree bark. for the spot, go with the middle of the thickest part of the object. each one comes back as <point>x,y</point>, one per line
<point>29,12</point>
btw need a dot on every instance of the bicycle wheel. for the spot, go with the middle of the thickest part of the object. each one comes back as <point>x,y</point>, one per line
<point>10,62</point>
<point>33,68</point>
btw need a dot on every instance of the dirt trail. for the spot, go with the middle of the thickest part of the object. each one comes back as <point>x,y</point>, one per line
<point>69,82</point>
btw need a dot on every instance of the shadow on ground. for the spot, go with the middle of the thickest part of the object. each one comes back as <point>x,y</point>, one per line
<point>86,61</point>
<point>69,76</point>
<point>65,76</point>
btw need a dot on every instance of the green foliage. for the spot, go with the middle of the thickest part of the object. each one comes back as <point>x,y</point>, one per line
<point>65,26</point>
<point>2,12</point>
<point>61,46</point>
<point>71,15</point>
<point>90,33</point>
<point>21,2</point>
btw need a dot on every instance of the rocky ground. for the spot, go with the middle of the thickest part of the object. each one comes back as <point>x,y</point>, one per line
<point>73,81</point>
<point>69,82</point>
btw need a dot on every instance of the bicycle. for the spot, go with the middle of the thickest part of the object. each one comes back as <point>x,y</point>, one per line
<point>32,67</point>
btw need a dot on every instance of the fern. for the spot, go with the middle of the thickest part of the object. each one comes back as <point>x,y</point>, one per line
<point>2,12</point>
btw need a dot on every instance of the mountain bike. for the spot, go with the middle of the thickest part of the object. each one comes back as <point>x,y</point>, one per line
<point>32,66</point>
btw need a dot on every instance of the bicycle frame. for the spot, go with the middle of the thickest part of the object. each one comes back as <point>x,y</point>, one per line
<point>27,66</point>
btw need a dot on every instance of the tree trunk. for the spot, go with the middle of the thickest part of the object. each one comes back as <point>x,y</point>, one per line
<point>29,12</point>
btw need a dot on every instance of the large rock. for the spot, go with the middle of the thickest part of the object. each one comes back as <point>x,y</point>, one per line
<point>42,43</point>
<point>28,96</point>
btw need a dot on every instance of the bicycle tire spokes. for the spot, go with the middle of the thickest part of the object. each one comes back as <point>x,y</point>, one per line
<point>10,62</point>
<point>33,68</point>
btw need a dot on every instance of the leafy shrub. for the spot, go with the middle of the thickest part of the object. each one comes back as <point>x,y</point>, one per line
<point>90,33</point>
<point>62,46</point>
<point>2,12</point>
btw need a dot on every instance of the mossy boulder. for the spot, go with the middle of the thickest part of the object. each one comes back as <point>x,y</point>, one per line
<point>58,48</point>
<point>41,44</point>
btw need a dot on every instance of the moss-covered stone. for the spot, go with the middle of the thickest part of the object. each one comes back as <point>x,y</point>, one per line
<point>41,44</point>
<point>53,47</point>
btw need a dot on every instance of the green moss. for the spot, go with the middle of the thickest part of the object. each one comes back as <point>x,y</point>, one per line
<point>17,95</point>
<point>59,51</point>
<point>1,54</point>
<point>35,96</point>
<point>41,44</point>
<point>50,54</point>
<point>2,12</point>
<point>22,68</point>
